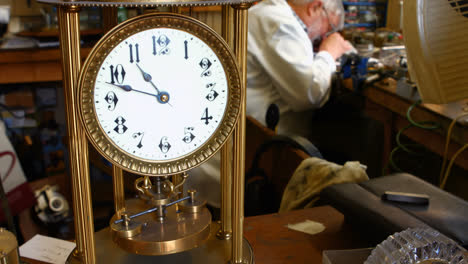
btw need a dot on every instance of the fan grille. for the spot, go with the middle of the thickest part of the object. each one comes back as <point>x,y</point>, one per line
<point>460,6</point>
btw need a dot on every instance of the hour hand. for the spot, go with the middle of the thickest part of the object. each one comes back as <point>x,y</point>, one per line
<point>147,77</point>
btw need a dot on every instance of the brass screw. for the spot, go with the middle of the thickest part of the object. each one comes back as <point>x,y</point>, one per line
<point>126,219</point>
<point>192,195</point>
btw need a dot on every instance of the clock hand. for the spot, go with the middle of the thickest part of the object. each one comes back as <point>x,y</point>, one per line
<point>162,97</point>
<point>147,78</point>
<point>128,88</point>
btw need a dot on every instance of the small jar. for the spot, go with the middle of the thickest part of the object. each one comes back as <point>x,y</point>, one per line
<point>8,247</point>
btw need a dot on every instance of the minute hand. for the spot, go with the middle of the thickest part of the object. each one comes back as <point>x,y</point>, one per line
<point>128,88</point>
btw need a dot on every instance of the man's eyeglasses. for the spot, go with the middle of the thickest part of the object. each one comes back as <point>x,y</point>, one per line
<point>334,28</point>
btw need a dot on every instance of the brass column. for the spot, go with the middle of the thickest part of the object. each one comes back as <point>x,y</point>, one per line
<point>68,18</point>
<point>226,191</point>
<point>119,191</point>
<point>109,18</point>
<point>240,49</point>
<point>176,9</point>
<point>226,151</point>
<point>226,27</point>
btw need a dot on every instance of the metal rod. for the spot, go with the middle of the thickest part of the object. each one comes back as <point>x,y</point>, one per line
<point>152,210</point>
<point>227,23</point>
<point>226,191</point>
<point>68,18</point>
<point>119,191</point>
<point>177,201</point>
<point>240,49</point>
<point>138,214</point>
<point>176,9</point>
<point>109,18</point>
<point>226,152</point>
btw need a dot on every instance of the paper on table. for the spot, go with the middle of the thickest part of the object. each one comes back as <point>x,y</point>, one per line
<point>48,249</point>
<point>308,226</point>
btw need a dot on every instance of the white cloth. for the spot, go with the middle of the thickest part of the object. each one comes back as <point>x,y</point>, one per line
<point>281,65</point>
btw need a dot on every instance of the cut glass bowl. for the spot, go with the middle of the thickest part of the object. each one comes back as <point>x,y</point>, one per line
<point>418,246</point>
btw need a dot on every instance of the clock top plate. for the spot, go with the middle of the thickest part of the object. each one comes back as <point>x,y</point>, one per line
<point>146,3</point>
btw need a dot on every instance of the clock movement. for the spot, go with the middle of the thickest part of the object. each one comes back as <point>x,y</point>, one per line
<point>158,95</point>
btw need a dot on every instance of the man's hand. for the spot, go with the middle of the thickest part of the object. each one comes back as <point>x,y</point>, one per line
<point>336,45</point>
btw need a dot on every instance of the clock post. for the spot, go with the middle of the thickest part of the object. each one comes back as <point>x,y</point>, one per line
<point>165,223</point>
<point>225,232</point>
<point>240,49</point>
<point>68,19</point>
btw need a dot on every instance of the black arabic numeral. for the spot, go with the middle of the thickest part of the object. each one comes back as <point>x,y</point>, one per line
<point>188,135</point>
<point>111,100</point>
<point>186,49</point>
<point>164,145</point>
<point>205,64</point>
<point>137,53</point>
<point>206,117</point>
<point>140,135</point>
<point>211,96</point>
<point>163,44</point>
<point>154,45</point>
<point>112,74</point>
<point>120,128</point>
<point>117,74</point>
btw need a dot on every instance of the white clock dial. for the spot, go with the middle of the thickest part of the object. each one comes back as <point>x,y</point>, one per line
<point>160,94</point>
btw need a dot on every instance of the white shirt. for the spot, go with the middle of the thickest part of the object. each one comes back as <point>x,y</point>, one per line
<point>281,65</point>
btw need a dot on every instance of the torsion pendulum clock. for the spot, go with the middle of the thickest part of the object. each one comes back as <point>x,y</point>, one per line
<point>159,94</point>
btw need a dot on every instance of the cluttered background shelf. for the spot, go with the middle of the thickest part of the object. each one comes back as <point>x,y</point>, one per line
<point>32,65</point>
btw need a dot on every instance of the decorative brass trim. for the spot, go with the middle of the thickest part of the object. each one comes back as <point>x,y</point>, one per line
<point>87,79</point>
<point>145,3</point>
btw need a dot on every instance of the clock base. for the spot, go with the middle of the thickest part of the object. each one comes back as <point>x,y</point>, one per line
<point>213,251</point>
<point>175,232</point>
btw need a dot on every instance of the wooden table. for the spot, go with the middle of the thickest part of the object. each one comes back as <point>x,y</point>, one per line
<point>273,242</point>
<point>388,105</point>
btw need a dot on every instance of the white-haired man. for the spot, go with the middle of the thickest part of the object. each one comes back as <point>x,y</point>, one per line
<point>282,67</point>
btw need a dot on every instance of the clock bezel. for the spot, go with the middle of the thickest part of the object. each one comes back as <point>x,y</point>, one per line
<point>97,136</point>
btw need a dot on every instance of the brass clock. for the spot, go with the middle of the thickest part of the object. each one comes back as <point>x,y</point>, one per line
<point>159,94</point>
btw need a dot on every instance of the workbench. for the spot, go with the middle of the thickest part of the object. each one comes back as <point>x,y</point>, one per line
<point>385,104</point>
